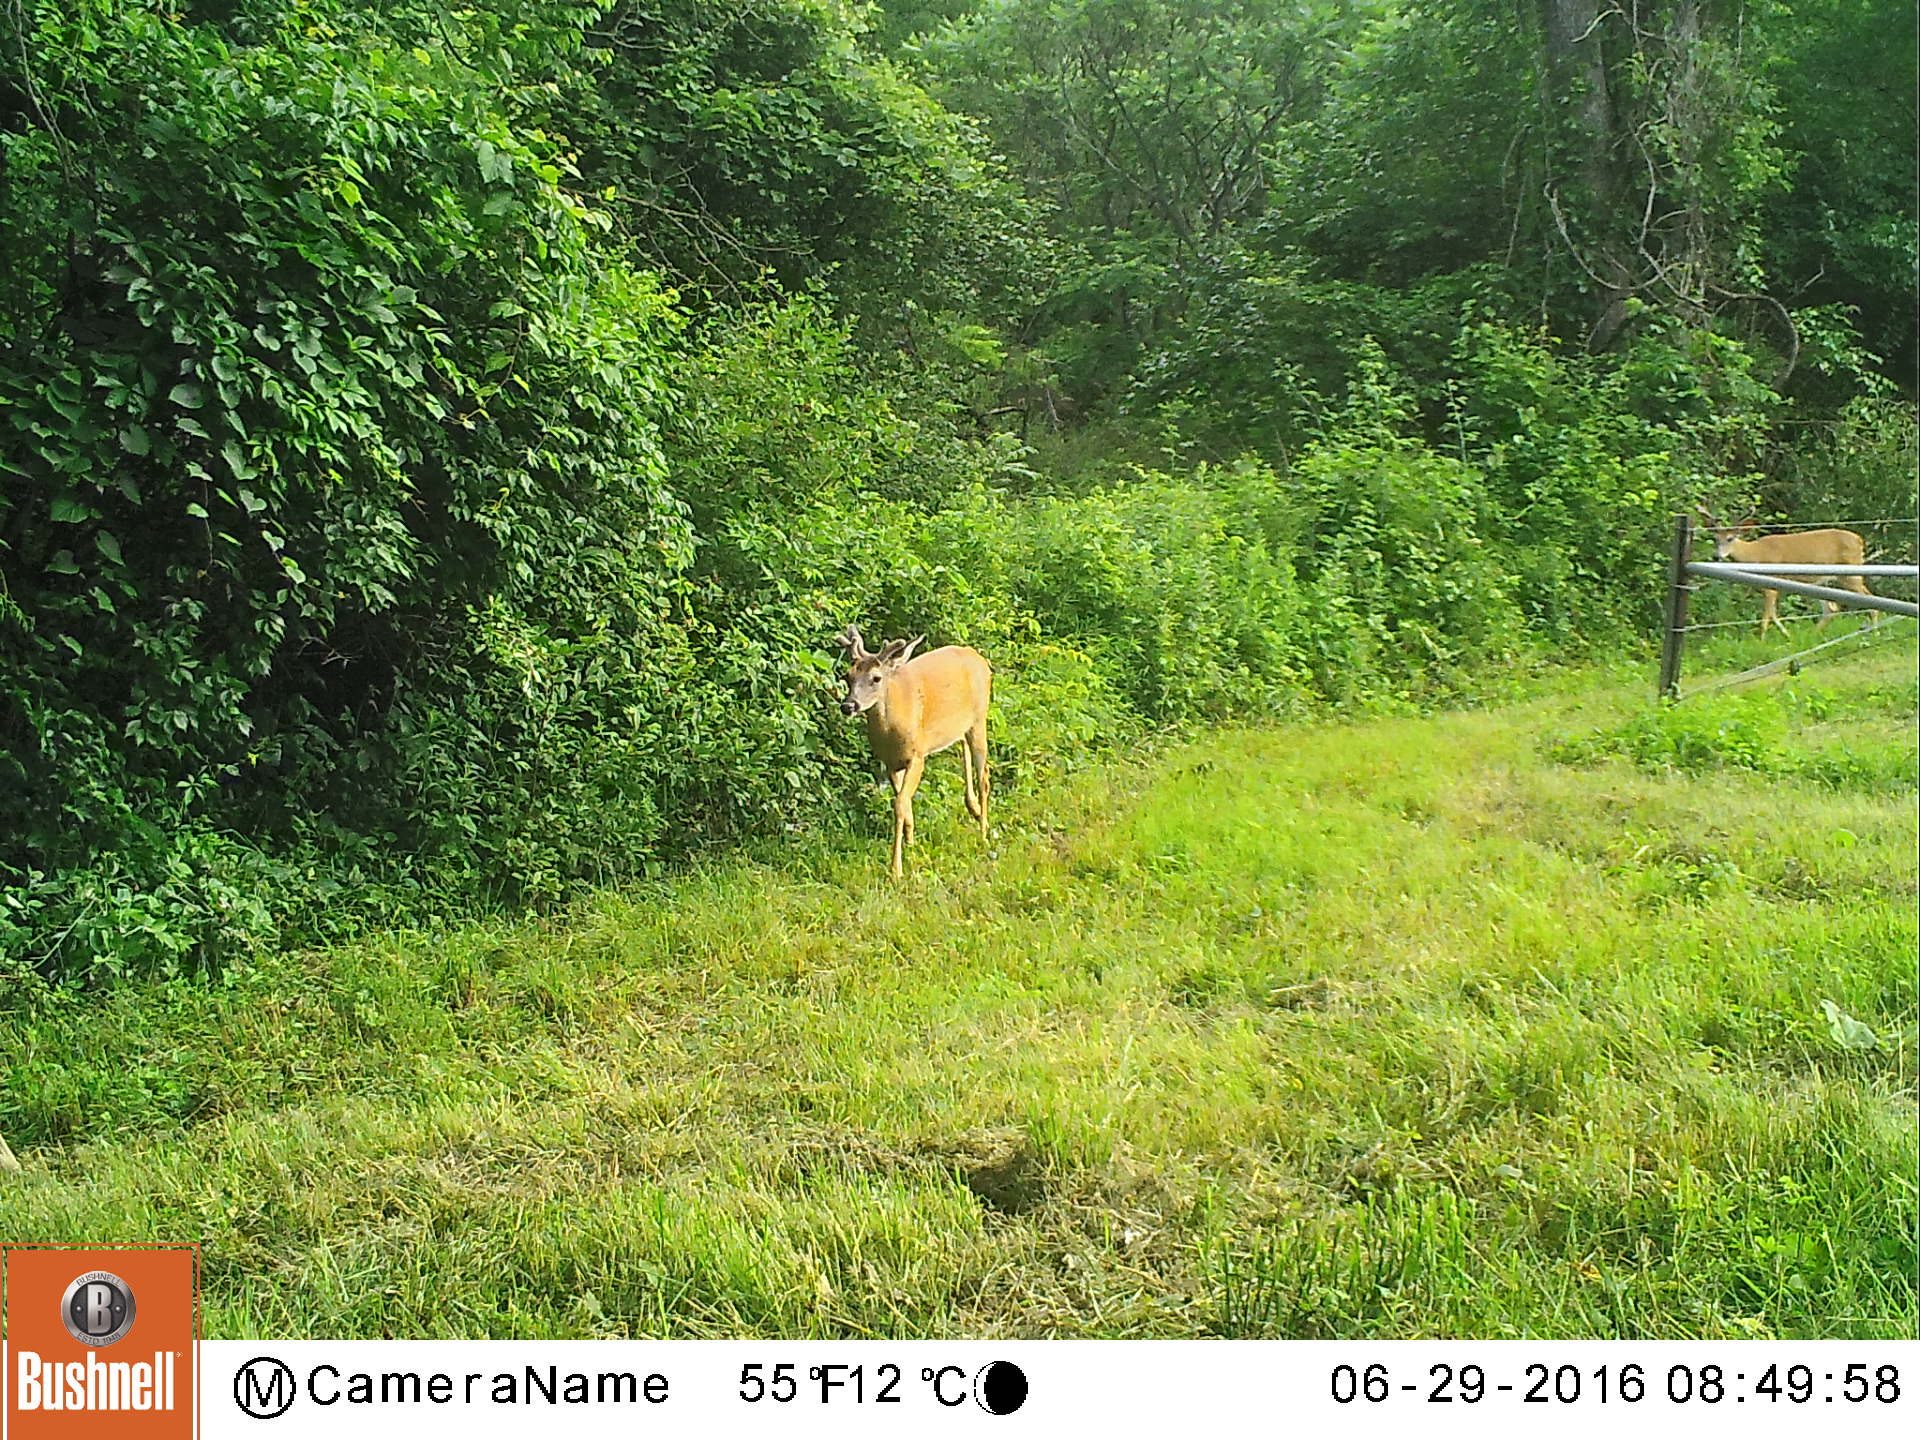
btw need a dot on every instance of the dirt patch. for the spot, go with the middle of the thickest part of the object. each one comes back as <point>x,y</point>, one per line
<point>1000,1167</point>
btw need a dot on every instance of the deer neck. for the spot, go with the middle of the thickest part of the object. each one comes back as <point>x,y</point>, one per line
<point>890,719</point>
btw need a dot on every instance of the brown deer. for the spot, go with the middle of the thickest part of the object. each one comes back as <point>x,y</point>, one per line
<point>1800,547</point>
<point>916,708</point>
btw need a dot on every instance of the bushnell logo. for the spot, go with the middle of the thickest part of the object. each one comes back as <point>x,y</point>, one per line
<point>82,1357</point>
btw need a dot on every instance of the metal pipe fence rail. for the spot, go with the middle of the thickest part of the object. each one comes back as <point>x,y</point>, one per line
<point>1763,576</point>
<point>1768,579</point>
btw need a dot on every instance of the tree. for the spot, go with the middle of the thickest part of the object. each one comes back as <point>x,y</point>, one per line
<point>1661,146</point>
<point>741,137</point>
<point>1142,132</point>
<point>1841,231</point>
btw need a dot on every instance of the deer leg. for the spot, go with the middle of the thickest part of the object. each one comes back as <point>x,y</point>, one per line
<point>896,778</point>
<point>977,761</point>
<point>1770,613</point>
<point>1859,587</point>
<point>905,782</point>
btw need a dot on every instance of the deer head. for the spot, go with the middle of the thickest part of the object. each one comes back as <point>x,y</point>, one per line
<point>1725,537</point>
<point>868,673</point>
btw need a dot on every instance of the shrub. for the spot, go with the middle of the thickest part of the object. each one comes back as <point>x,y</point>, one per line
<point>1858,470</point>
<point>322,364</point>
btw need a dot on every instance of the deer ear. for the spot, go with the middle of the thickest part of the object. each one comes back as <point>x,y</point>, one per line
<point>892,651</point>
<point>910,646</point>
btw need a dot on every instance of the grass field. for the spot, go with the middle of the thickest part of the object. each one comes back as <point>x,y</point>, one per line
<point>1497,1022</point>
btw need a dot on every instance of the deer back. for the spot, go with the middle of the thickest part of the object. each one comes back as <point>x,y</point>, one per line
<point>1801,547</point>
<point>928,704</point>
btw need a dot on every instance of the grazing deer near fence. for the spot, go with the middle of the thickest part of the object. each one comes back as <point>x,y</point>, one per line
<point>916,708</point>
<point>1800,547</point>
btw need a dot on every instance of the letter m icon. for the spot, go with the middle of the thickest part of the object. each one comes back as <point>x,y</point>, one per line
<point>263,1388</point>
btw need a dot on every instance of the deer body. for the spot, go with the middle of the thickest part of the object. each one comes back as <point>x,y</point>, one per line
<point>916,708</point>
<point>1803,547</point>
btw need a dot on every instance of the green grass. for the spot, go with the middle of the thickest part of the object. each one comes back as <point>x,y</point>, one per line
<point>1499,1022</point>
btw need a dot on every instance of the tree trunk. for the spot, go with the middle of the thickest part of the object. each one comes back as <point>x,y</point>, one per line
<point>1580,84</point>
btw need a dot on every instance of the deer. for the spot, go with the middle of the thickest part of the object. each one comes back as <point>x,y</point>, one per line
<point>1801,547</point>
<point>916,707</point>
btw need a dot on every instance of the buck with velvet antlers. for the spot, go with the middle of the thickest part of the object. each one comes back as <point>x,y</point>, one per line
<point>916,708</point>
<point>1742,544</point>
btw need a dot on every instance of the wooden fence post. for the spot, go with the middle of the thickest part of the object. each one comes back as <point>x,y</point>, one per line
<point>1677,588</point>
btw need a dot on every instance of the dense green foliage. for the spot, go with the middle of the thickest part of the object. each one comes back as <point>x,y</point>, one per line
<point>327,427</point>
<point>436,446</point>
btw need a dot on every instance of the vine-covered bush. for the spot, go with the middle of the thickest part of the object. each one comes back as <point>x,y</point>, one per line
<point>330,439</point>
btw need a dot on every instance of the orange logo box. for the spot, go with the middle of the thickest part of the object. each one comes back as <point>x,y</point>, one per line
<point>100,1342</point>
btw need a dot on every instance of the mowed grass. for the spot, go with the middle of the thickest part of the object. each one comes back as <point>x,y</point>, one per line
<point>1397,1027</point>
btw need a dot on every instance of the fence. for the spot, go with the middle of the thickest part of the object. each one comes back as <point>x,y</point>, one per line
<point>1764,576</point>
